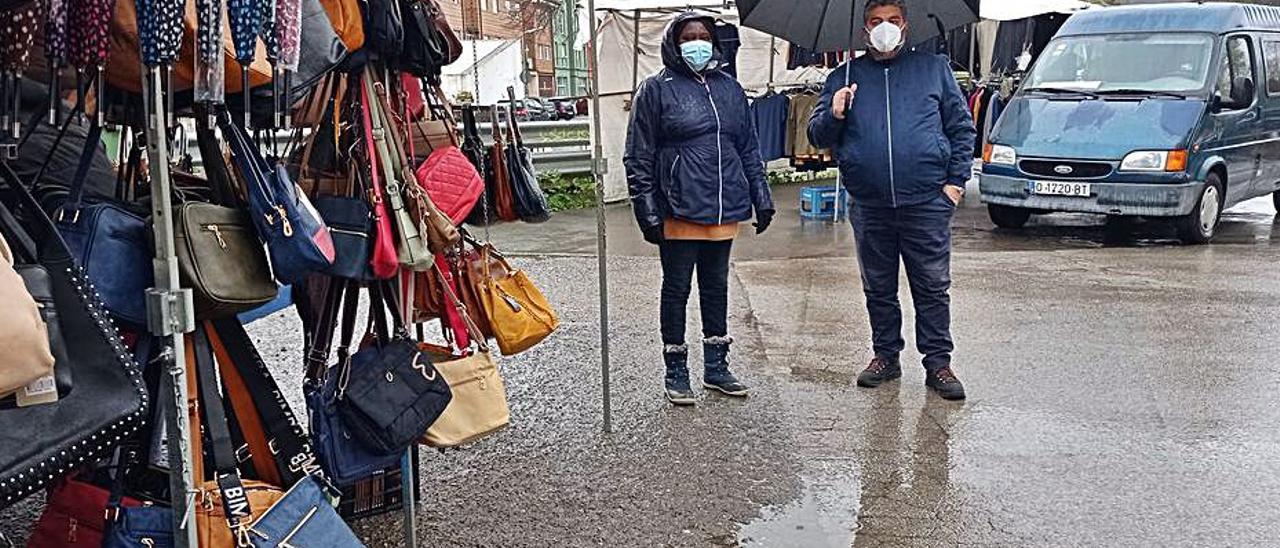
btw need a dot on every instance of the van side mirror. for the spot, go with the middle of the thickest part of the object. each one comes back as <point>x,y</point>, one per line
<point>1242,92</point>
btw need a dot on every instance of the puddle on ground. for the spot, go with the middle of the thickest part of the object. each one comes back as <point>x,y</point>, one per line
<point>825,514</point>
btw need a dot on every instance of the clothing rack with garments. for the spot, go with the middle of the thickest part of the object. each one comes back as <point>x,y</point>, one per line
<point>987,103</point>
<point>782,121</point>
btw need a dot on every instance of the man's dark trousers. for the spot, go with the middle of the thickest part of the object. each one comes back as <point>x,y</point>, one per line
<point>919,235</point>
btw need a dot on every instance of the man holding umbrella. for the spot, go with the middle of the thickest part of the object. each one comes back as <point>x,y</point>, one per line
<point>904,139</point>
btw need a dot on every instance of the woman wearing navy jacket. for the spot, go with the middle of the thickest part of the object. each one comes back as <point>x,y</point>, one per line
<point>694,173</point>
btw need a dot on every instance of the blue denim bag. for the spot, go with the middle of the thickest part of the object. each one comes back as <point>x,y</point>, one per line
<point>110,243</point>
<point>304,517</point>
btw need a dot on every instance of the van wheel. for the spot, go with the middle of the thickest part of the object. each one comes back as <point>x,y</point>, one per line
<point>1201,224</point>
<point>1008,217</point>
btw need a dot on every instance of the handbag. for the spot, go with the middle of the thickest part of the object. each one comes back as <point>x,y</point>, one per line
<point>303,517</point>
<point>297,239</point>
<point>393,392</point>
<point>42,441</point>
<point>479,404</point>
<point>24,332</point>
<point>504,201</point>
<point>383,28</point>
<point>347,22</point>
<point>111,243</point>
<point>483,212</point>
<point>351,222</point>
<point>439,230</point>
<point>449,178</point>
<point>530,202</point>
<point>219,255</point>
<point>73,515</point>
<point>226,506</point>
<point>411,247</point>
<point>344,459</point>
<point>134,525</point>
<point>519,314</point>
<point>453,46</point>
<point>424,48</point>
<point>40,286</point>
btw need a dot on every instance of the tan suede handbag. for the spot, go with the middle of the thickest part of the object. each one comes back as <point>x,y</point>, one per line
<point>23,334</point>
<point>520,315</point>
<point>479,404</point>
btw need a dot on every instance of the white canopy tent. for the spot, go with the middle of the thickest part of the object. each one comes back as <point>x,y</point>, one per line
<point>630,44</point>
<point>1009,10</point>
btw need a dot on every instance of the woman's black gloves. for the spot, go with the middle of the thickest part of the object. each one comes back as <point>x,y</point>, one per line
<point>764,218</point>
<point>653,235</point>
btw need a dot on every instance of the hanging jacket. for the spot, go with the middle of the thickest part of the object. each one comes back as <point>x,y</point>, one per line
<point>692,151</point>
<point>909,133</point>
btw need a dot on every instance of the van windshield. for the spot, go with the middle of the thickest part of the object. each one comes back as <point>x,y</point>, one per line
<point>1160,62</point>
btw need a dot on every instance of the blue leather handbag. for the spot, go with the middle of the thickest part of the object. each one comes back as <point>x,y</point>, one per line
<point>345,459</point>
<point>304,517</point>
<point>110,243</point>
<point>350,220</point>
<point>297,239</point>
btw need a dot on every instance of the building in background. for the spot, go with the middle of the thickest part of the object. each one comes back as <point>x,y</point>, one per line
<point>571,64</point>
<point>529,21</point>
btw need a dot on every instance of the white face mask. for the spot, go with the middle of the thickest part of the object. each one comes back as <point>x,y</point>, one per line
<point>886,37</point>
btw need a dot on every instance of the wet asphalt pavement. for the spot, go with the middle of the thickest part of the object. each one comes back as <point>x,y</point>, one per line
<point>1120,394</point>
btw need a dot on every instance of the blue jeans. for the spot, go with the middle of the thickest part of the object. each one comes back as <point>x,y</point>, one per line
<point>919,236</point>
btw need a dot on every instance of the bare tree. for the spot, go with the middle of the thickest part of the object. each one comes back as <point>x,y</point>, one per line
<point>534,15</point>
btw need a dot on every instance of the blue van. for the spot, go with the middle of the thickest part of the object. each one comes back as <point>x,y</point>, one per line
<point>1168,110</point>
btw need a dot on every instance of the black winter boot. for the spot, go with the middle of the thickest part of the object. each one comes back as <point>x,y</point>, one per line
<point>715,354</point>
<point>677,380</point>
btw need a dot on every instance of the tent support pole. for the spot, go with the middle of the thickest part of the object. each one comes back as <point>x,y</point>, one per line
<point>773,54</point>
<point>170,315</point>
<point>635,52</point>
<point>597,173</point>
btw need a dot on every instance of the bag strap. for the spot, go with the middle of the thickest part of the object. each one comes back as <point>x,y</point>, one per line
<point>375,140</point>
<point>322,342</point>
<point>75,200</point>
<point>287,444</point>
<point>472,328</point>
<point>235,504</point>
<point>215,167</point>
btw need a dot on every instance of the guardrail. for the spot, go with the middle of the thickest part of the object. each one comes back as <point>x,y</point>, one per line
<point>556,146</point>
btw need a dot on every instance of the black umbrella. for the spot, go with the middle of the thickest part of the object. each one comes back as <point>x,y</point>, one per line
<point>834,25</point>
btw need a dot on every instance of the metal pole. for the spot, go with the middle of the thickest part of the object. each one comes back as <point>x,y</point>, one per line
<point>635,53</point>
<point>773,54</point>
<point>410,498</point>
<point>602,248</point>
<point>169,316</point>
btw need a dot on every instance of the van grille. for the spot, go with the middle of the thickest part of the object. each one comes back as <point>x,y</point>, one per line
<point>1079,170</point>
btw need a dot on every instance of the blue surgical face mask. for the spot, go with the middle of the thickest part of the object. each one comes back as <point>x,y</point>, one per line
<point>697,54</point>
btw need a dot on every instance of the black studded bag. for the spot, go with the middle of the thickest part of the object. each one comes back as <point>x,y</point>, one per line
<point>42,443</point>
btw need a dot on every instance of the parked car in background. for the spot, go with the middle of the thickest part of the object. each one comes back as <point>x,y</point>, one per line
<point>565,108</point>
<point>539,110</point>
<point>521,110</point>
<point>1166,111</point>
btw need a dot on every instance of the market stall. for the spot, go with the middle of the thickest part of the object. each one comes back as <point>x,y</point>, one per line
<point>135,394</point>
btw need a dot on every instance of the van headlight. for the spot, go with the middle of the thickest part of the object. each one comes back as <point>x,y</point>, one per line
<point>1155,160</point>
<point>1000,155</point>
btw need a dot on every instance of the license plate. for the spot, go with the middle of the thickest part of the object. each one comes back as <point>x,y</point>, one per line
<point>1059,188</point>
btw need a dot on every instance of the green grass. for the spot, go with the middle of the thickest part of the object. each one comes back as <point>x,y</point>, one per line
<point>568,192</point>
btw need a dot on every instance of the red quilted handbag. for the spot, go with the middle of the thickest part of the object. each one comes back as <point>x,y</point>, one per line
<point>452,182</point>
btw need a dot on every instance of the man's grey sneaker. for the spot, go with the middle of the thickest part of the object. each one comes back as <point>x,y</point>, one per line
<point>678,390</point>
<point>945,383</point>
<point>880,371</point>
<point>716,376</point>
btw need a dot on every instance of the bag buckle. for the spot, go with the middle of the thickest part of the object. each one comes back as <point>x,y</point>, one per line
<point>74,219</point>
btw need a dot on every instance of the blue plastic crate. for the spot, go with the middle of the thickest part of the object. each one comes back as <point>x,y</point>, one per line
<point>819,202</point>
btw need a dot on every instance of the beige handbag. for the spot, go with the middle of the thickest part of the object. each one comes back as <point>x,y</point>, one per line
<point>479,404</point>
<point>23,334</point>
